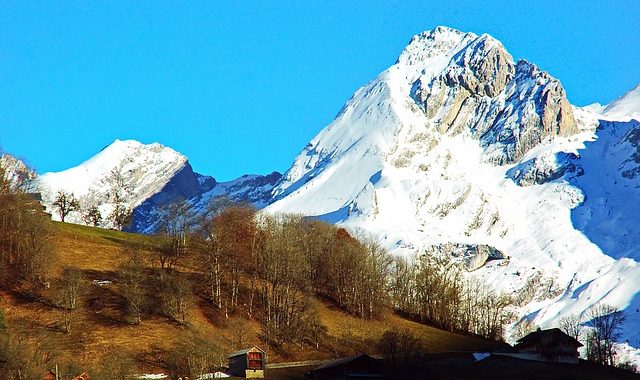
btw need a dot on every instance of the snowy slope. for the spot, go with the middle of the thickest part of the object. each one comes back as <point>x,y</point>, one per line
<point>146,169</point>
<point>155,176</point>
<point>625,107</point>
<point>457,143</point>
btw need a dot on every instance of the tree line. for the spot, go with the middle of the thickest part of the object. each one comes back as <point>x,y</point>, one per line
<point>24,235</point>
<point>268,268</point>
<point>276,264</point>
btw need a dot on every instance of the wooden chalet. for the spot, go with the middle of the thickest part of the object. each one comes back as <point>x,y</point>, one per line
<point>248,363</point>
<point>551,345</point>
<point>354,367</point>
<point>49,375</point>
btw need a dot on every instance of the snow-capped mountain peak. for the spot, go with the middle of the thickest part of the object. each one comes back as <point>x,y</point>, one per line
<point>625,107</point>
<point>458,143</point>
<point>146,168</point>
<point>153,175</point>
<point>427,53</point>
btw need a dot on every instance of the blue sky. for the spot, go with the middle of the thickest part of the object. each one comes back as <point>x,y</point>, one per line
<point>241,86</point>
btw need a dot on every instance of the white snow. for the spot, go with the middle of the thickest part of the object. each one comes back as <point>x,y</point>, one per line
<point>383,166</point>
<point>147,169</point>
<point>625,107</point>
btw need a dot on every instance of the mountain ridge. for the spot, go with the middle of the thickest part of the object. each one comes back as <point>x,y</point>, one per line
<point>154,176</point>
<point>458,143</point>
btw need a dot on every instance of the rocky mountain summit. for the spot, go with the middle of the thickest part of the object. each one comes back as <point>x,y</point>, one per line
<point>510,107</point>
<point>456,150</point>
<point>458,145</point>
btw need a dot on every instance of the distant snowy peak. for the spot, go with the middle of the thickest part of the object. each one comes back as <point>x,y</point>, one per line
<point>248,189</point>
<point>154,176</point>
<point>625,107</point>
<point>146,168</point>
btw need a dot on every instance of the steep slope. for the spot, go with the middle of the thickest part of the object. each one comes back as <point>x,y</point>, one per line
<point>457,143</point>
<point>146,169</point>
<point>102,324</point>
<point>626,106</point>
<point>16,172</point>
<point>154,176</point>
<point>252,189</point>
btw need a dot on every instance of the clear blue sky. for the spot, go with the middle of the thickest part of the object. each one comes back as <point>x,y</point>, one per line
<point>241,86</point>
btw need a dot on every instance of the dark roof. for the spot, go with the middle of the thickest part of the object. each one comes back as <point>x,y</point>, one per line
<point>244,351</point>
<point>343,361</point>
<point>554,335</point>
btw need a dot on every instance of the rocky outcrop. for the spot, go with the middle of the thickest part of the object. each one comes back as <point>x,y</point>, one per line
<point>16,172</point>
<point>633,162</point>
<point>509,107</point>
<point>198,191</point>
<point>182,186</point>
<point>469,257</point>
<point>545,168</point>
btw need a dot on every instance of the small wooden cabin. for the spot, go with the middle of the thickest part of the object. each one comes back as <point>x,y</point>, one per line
<point>353,367</point>
<point>551,345</point>
<point>49,375</point>
<point>248,363</point>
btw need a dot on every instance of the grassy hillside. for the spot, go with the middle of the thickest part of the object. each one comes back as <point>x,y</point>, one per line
<point>101,331</point>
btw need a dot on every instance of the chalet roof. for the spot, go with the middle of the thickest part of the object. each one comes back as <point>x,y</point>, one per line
<point>343,361</point>
<point>245,351</point>
<point>553,335</point>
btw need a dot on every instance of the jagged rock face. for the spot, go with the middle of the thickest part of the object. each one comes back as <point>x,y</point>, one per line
<point>509,107</point>
<point>17,172</point>
<point>545,168</point>
<point>632,164</point>
<point>483,68</point>
<point>198,191</point>
<point>457,143</point>
<point>182,186</point>
<point>469,257</point>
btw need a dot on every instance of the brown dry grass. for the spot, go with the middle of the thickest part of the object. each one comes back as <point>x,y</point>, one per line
<point>101,328</point>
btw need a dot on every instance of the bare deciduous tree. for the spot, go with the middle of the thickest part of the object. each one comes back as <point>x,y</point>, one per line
<point>195,356</point>
<point>176,297</point>
<point>65,203</point>
<point>401,350</point>
<point>606,322</point>
<point>92,216</point>
<point>68,295</point>
<point>571,325</point>
<point>24,234</point>
<point>133,280</point>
